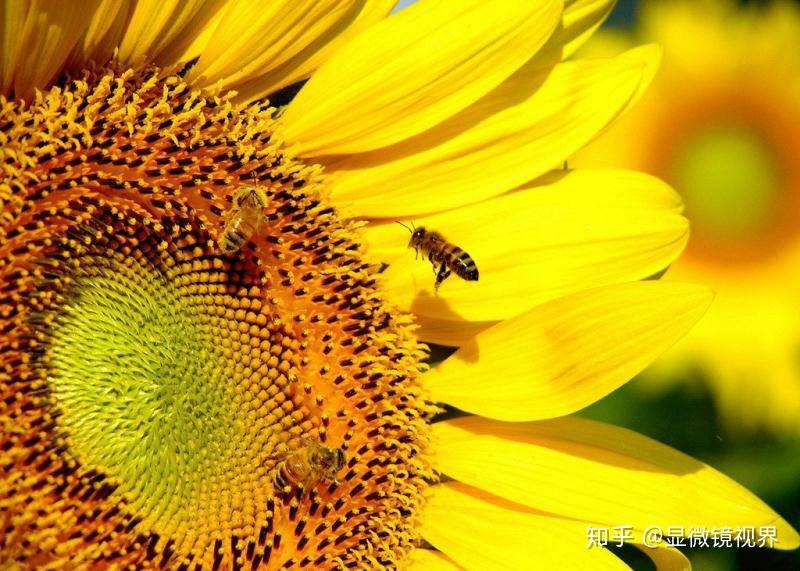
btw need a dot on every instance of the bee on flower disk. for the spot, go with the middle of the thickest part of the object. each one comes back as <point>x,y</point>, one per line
<point>244,218</point>
<point>445,257</point>
<point>308,465</point>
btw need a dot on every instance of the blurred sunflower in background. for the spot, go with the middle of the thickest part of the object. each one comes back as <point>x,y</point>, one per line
<point>722,124</point>
<point>153,387</point>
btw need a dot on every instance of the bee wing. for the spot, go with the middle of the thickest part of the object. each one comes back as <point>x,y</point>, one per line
<point>279,456</point>
<point>309,442</point>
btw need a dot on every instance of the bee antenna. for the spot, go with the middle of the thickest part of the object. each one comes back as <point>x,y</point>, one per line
<point>406,227</point>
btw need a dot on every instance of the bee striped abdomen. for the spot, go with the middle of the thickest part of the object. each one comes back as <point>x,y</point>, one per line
<point>294,470</point>
<point>463,265</point>
<point>282,480</point>
<point>236,233</point>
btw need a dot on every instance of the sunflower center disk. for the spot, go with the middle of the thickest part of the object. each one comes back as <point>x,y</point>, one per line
<point>146,388</point>
<point>735,187</point>
<point>730,181</point>
<point>152,385</point>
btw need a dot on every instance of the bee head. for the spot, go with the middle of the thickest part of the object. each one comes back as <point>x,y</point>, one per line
<point>242,193</point>
<point>253,195</point>
<point>338,461</point>
<point>330,458</point>
<point>416,237</point>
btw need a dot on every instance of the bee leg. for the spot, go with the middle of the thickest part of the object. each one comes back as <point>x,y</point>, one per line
<point>444,273</point>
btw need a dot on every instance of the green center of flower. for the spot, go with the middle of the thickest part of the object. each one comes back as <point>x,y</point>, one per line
<point>135,380</point>
<point>730,180</point>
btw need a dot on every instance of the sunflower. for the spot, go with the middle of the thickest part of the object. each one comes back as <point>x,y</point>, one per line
<point>166,401</point>
<point>721,124</point>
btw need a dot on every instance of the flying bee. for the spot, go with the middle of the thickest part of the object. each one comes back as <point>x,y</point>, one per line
<point>445,257</point>
<point>244,218</point>
<point>309,465</point>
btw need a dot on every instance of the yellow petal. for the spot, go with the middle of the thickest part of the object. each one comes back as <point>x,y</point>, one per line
<point>430,560</point>
<point>201,38</point>
<point>580,20</point>
<point>161,30</point>
<point>600,474</point>
<point>666,558</point>
<point>106,27</point>
<point>306,61</point>
<point>12,23</point>
<point>413,70</point>
<point>579,230</point>
<point>51,30</point>
<point>521,130</point>
<point>649,56</point>
<point>568,353</point>
<point>253,38</point>
<point>618,188</point>
<point>450,332</point>
<point>480,531</point>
